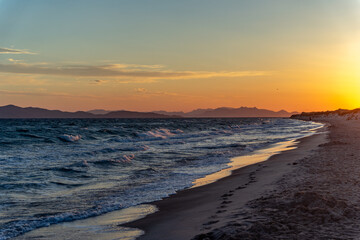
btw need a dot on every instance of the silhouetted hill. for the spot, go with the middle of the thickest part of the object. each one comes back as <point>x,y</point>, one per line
<point>130,114</point>
<point>232,112</point>
<point>11,111</point>
<point>340,113</point>
<point>170,113</point>
<point>98,111</point>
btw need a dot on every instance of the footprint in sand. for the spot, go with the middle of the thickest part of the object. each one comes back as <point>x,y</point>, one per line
<point>227,195</point>
<point>221,211</point>
<point>211,222</point>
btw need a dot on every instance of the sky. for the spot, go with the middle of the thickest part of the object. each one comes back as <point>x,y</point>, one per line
<point>146,55</point>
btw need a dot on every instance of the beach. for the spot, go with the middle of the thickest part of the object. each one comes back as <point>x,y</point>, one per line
<point>311,192</point>
<point>216,211</point>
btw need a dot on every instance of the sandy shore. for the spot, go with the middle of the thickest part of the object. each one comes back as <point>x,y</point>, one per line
<point>255,202</point>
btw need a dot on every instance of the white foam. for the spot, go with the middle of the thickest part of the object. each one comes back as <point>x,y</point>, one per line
<point>70,138</point>
<point>158,134</point>
<point>123,159</point>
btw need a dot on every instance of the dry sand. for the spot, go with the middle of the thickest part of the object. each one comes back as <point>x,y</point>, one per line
<point>311,192</point>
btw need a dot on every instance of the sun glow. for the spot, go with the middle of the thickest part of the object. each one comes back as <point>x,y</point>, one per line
<point>347,86</point>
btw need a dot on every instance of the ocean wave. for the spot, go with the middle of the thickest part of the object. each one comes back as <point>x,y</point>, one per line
<point>16,228</point>
<point>108,131</point>
<point>21,185</point>
<point>157,134</point>
<point>67,184</point>
<point>69,138</point>
<point>109,150</point>
<point>123,159</point>
<point>30,135</point>
<point>232,145</point>
<point>67,170</point>
<point>23,130</point>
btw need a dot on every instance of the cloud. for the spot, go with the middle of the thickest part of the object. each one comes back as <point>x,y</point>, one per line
<point>133,66</point>
<point>135,80</point>
<point>98,81</point>
<point>119,71</point>
<point>14,51</point>
<point>145,92</point>
<point>140,90</point>
<point>14,60</point>
<point>43,94</point>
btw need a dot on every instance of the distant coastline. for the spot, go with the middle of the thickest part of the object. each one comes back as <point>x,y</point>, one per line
<point>326,115</point>
<point>15,112</point>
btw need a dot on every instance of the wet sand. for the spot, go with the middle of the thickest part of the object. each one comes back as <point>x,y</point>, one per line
<point>225,209</point>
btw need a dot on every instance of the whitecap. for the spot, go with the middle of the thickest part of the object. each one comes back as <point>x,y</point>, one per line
<point>69,138</point>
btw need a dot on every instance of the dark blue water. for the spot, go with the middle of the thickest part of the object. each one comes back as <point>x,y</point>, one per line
<point>53,171</point>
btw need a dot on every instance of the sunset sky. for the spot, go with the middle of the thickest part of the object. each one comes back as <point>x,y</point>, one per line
<point>149,55</point>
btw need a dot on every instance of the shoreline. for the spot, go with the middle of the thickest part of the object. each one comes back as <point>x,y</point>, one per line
<point>238,162</point>
<point>194,211</point>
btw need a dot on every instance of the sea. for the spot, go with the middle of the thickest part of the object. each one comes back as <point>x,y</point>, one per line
<point>60,170</point>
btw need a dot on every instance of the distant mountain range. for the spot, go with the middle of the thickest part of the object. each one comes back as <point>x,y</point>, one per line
<point>230,112</point>
<point>219,112</point>
<point>11,111</point>
<point>98,111</point>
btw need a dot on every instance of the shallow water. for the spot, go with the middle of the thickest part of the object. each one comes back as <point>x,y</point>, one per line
<point>56,171</point>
